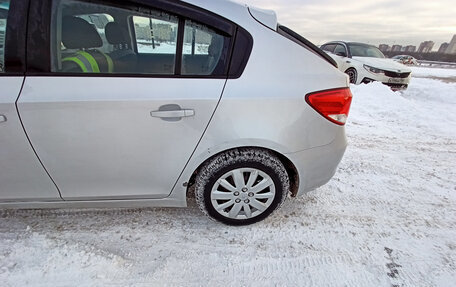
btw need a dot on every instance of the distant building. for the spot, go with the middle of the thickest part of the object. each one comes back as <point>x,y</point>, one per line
<point>396,48</point>
<point>384,47</point>
<point>410,49</point>
<point>452,46</point>
<point>443,47</point>
<point>426,47</point>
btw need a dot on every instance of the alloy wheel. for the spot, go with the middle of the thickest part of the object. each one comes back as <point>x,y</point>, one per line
<point>243,193</point>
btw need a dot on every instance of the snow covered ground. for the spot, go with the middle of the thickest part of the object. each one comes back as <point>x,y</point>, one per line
<point>388,218</point>
<point>436,73</point>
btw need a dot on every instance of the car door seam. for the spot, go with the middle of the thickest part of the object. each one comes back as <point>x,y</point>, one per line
<point>201,138</point>
<point>28,138</point>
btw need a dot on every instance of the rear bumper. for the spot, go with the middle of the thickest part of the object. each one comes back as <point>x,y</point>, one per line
<point>316,166</point>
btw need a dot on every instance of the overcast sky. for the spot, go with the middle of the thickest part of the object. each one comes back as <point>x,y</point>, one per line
<point>381,21</point>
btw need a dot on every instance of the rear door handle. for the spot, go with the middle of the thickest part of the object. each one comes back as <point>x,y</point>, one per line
<point>2,119</point>
<point>172,114</point>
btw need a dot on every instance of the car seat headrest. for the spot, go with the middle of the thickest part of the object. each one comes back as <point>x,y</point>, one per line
<point>116,35</point>
<point>77,33</point>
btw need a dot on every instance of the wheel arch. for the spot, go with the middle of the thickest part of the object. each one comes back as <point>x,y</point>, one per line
<point>288,164</point>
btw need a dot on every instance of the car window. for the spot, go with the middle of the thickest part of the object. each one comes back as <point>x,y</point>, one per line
<point>340,49</point>
<point>87,37</point>
<point>97,38</point>
<point>4,8</point>
<point>156,35</point>
<point>156,40</point>
<point>203,49</point>
<point>329,47</point>
<point>360,50</point>
<point>99,21</point>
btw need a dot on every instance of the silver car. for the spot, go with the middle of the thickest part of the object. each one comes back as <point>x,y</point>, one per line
<point>138,103</point>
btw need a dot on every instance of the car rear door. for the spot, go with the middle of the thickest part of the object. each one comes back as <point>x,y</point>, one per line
<point>126,134</point>
<point>22,177</point>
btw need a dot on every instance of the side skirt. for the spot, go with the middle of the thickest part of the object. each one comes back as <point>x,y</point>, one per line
<point>167,202</point>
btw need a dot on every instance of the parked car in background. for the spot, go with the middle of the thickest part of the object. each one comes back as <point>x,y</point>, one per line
<point>405,59</point>
<point>117,104</point>
<point>366,63</point>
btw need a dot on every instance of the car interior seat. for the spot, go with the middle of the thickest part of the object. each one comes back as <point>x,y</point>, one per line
<point>123,56</point>
<point>83,38</point>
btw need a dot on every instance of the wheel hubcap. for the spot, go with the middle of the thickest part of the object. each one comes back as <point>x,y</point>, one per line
<point>243,193</point>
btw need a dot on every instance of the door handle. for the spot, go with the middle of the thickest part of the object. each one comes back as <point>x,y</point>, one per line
<point>2,118</point>
<point>172,113</point>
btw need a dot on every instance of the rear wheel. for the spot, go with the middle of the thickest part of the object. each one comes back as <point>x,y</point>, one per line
<point>352,74</point>
<point>241,186</point>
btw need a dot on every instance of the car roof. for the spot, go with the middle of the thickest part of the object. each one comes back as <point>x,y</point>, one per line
<point>360,44</point>
<point>348,43</point>
<point>403,56</point>
<point>335,42</point>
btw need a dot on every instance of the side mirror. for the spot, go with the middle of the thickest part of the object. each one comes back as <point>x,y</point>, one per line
<point>342,54</point>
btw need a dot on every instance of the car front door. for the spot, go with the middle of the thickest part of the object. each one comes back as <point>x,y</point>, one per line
<point>22,177</point>
<point>125,131</point>
<point>342,57</point>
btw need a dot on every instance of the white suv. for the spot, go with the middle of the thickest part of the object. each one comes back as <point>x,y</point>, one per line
<point>133,105</point>
<point>366,63</point>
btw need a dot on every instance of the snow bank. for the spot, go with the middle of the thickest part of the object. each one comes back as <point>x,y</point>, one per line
<point>423,109</point>
<point>434,72</point>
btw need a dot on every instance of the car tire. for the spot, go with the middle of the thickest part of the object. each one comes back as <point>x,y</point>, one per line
<point>352,74</point>
<point>241,186</point>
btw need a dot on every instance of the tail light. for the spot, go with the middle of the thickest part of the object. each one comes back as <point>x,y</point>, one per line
<point>334,105</point>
